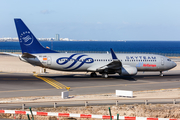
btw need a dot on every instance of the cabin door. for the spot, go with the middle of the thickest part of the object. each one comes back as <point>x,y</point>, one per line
<point>162,61</point>
<point>49,60</point>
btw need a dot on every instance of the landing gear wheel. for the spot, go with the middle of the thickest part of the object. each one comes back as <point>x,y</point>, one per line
<point>93,74</point>
<point>105,75</point>
<point>161,74</point>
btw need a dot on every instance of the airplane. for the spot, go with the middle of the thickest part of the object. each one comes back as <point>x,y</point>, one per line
<point>104,63</point>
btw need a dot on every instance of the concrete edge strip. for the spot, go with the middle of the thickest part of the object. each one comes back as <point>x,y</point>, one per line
<point>81,115</point>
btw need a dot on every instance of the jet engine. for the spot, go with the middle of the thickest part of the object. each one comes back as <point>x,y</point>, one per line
<point>127,70</point>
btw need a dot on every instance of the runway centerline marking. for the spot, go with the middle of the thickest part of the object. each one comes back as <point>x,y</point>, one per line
<point>52,82</point>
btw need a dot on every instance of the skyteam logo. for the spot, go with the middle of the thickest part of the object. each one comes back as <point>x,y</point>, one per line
<point>26,38</point>
<point>140,64</point>
<point>76,60</point>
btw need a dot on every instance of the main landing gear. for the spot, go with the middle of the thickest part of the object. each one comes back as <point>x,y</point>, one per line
<point>104,75</point>
<point>93,74</point>
<point>161,74</point>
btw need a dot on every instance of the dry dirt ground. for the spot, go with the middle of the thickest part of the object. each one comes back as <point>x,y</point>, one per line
<point>137,110</point>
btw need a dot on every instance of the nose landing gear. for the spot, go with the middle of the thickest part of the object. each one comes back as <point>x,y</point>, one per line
<point>161,73</point>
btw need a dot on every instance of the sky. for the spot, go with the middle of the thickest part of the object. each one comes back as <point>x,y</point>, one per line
<point>94,19</point>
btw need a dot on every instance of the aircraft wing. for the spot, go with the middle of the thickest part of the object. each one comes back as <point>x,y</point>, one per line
<point>114,65</point>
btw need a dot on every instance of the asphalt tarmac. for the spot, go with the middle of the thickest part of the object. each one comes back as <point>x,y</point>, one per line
<point>23,85</point>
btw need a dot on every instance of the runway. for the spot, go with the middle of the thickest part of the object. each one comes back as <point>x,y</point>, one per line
<point>22,84</point>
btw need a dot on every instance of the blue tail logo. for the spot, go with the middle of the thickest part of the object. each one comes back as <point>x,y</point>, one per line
<point>26,38</point>
<point>28,42</point>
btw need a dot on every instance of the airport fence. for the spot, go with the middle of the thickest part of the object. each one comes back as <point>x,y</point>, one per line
<point>89,102</point>
<point>65,51</point>
<point>72,115</point>
<point>97,102</point>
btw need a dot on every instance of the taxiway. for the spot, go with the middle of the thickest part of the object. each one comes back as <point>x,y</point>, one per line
<point>24,85</point>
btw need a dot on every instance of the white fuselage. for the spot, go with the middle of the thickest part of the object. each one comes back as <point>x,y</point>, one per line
<point>92,61</point>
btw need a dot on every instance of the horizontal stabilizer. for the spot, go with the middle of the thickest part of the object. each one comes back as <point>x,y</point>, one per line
<point>27,55</point>
<point>16,55</point>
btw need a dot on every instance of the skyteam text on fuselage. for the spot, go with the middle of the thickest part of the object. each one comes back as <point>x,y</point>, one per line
<point>110,63</point>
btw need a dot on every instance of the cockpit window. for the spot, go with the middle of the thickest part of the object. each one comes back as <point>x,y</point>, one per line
<point>168,59</point>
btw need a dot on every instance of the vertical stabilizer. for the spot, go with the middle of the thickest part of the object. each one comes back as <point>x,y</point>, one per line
<point>28,42</point>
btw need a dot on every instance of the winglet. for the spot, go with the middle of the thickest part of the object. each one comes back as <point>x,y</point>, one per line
<point>114,57</point>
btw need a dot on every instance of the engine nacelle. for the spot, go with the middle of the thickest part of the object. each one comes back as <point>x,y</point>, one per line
<point>128,70</point>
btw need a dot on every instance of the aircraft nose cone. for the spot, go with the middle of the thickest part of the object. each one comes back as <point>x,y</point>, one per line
<point>174,64</point>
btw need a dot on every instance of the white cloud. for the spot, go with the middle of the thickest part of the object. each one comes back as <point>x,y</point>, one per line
<point>45,12</point>
<point>99,22</point>
<point>126,23</point>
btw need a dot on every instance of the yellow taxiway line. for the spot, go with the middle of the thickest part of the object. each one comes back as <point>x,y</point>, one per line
<point>52,82</point>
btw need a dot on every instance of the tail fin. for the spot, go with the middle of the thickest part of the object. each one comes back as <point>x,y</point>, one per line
<point>28,42</point>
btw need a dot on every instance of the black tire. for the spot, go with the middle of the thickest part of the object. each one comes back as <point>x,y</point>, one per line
<point>93,74</point>
<point>105,75</point>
